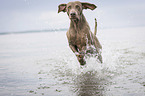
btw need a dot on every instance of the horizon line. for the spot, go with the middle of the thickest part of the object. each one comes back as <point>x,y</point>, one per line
<point>33,31</point>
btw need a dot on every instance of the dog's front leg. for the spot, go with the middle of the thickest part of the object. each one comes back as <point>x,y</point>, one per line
<point>79,55</point>
<point>73,48</point>
<point>80,58</point>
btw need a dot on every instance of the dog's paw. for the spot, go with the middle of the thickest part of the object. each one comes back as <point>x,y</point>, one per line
<point>76,53</point>
<point>79,55</point>
<point>83,62</point>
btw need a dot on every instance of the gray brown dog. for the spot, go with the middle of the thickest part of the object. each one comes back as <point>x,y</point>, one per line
<point>81,40</point>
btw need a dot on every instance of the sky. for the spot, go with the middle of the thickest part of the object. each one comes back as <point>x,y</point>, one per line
<point>24,15</point>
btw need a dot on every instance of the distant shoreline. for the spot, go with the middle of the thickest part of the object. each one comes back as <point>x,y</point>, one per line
<point>32,31</point>
<point>139,28</point>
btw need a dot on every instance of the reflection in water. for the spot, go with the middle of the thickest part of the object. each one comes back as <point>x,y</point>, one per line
<point>88,84</point>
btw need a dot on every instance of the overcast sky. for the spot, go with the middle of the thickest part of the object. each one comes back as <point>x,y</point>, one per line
<point>22,15</point>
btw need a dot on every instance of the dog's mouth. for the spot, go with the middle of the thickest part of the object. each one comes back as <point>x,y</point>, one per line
<point>73,18</point>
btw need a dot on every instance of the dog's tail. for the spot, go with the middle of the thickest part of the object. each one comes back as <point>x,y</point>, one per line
<point>95,31</point>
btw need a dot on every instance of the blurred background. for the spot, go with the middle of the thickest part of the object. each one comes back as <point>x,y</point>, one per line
<point>32,15</point>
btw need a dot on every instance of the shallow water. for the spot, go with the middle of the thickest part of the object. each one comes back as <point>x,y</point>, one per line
<point>42,64</point>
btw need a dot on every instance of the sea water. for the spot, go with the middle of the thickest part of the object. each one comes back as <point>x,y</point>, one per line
<point>42,64</point>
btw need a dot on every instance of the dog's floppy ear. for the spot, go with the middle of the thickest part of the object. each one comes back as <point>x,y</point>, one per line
<point>62,7</point>
<point>88,6</point>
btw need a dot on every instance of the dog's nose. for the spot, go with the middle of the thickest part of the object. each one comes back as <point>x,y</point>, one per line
<point>73,14</point>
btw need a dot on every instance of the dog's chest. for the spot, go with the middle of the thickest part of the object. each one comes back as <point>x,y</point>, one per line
<point>78,38</point>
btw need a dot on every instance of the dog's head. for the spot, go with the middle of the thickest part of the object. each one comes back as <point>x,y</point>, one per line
<point>74,9</point>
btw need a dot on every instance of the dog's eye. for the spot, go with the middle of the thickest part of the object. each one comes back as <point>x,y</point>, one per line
<point>69,7</point>
<point>78,7</point>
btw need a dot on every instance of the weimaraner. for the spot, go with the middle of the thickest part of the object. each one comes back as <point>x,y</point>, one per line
<point>81,40</point>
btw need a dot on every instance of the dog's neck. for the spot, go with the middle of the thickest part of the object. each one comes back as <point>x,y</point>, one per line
<point>78,24</point>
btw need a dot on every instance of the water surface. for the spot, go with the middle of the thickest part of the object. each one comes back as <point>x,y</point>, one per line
<point>42,64</point>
